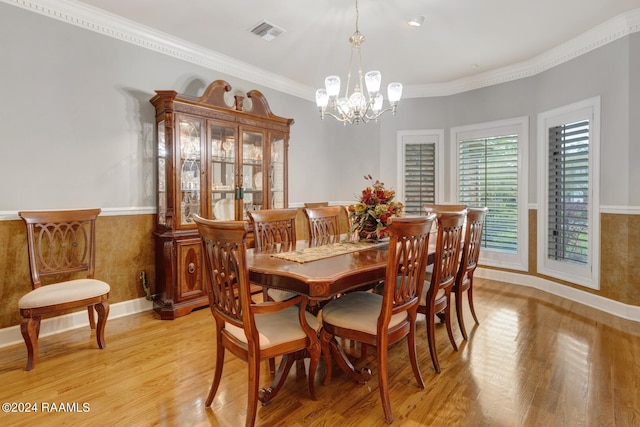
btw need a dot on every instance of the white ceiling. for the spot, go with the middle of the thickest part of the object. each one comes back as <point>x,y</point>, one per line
<point>459,39</point>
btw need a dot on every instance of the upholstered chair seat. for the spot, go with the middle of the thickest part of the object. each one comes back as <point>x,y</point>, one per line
<point>359,311</point>
<point>276,328</point>
<point>59,293</point>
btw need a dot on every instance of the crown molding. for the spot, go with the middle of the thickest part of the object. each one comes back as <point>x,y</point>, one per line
<point>111,25</point>
<point>93,19</point>
<point>607,32</point>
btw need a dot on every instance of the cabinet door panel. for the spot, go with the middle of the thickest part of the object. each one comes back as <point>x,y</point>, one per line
<point>189,150</point>
<point>162,174</point>
<point>278,172</point>
<point>223,149</point>
<point>252,171</point>
<point>190,278</point>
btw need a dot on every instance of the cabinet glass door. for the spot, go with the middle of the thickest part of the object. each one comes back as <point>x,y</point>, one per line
<point>277,172</point>
<point>189,149</point>
<point>223,173</point>
<point>252,171</point>
<point>162,176</point>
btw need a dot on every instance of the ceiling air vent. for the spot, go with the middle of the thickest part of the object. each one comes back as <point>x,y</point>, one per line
<point>266,31</point>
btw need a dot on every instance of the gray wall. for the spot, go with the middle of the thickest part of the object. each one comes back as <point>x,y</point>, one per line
<point>75,127</point>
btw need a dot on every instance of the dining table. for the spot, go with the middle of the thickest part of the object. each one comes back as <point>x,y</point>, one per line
<point>322,272</point>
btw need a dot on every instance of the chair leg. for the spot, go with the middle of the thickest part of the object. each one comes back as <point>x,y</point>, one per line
<point>383,379</point>
<point>431,338</point>
<point>447,321</point>
<point>92,321</point>
<point>470,297</point>
<point>459,315</point>
<point>254,381</point>
<point>413,356</point>
<point>103,313</point>
<point>217,373</point>
<point>314,354</point>
<point>30,328</point>
<point>325,339</point>
<point>363,350</point>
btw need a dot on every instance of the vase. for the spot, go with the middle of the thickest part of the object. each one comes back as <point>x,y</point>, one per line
<point>368,230</point>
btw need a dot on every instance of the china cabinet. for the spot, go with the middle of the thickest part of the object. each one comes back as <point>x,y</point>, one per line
<point>215,160</point>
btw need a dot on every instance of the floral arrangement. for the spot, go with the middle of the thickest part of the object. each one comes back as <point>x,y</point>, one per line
<point>369,217</point>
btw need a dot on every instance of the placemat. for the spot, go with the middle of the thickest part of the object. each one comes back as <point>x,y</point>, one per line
<point>326,251</point>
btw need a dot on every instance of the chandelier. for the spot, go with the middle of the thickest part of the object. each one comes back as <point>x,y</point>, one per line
<point>356,107</point>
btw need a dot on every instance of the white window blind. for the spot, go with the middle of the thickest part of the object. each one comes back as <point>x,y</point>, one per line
<point>419,176</point>
<point>568,193</point>
<point>488,176</point>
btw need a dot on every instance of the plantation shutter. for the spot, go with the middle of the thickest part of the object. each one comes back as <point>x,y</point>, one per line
<point>419,177</point>
<point>568,195</point>
<point>488,176</point>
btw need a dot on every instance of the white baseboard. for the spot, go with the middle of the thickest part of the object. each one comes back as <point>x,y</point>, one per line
<point>11,335</point>
<point>625,311</point>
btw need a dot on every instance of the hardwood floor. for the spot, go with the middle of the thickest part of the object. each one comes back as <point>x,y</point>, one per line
<point>534,360</point>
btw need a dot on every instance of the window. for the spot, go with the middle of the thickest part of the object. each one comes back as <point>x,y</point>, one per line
<point>419,180</point>
<point>568,223</point>
<point>490,171</point>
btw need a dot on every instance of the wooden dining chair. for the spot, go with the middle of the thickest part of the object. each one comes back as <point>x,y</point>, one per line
<point>323,224</point>
<point>436,293</point>
<point>468,263</point>
<point>252,332</point>
<point>382,320</point>
<point>61,247</point>
<point>316,204</point>
<point>274,229</point>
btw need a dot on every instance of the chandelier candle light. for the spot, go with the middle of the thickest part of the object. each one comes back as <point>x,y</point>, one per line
<point>356,107</point>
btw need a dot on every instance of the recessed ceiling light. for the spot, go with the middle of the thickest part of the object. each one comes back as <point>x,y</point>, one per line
<point>416,21</point>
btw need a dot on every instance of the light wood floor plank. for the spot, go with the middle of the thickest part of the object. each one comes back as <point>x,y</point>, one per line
<point>535,359</point>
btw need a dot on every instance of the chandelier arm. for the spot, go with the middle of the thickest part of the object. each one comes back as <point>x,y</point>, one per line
<point>341,118</point>
<point>381,112</point>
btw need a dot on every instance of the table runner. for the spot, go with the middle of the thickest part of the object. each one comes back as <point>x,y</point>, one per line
<point>326,251</point>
